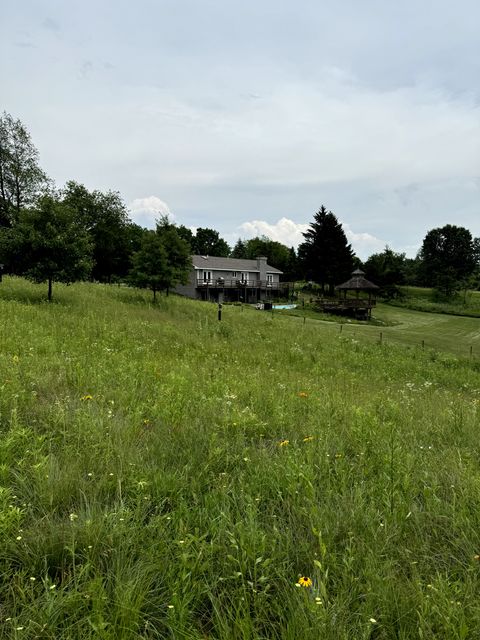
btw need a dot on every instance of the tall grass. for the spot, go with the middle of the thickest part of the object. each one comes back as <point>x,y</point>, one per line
<point>164,475</point>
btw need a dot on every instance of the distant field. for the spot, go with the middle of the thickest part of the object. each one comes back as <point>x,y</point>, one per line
<point>442,332</point>
<point>421,299</point>
<point>166,475</point>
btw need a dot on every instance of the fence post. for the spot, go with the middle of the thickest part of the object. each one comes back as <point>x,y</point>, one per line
<point>471,351</point>
<point>219,312</point>
<point>423,344</point>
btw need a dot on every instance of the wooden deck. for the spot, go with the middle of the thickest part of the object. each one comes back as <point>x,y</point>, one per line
<point>242,284</point>
<point>357,307</point>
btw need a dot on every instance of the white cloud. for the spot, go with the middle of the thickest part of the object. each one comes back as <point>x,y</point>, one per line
<point>364,244</point>
<point>290,233</point>
<point>285,231</point>
<point>146,211</point>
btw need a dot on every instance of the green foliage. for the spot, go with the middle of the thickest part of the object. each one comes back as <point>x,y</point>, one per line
<point>240,249</point>
<point>448,257</point>
<point>49,244</point>
<point>326,257</point>
<point>207,242</point>
<point>162,261</point>
<point>150,264</point>
<point>21,178</point>
<point>386,268</point>
<point>278,255</point>
<point>104,216</point>
<point>145,492</point>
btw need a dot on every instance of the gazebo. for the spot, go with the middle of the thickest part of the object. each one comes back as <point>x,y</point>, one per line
<point>360,307</point>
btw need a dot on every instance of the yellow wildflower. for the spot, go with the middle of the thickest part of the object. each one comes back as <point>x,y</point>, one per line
<point>86,397</point>
<point>283,443</point>
<point>302,394</point>
<point>305,581</point>
<point>308,438</point>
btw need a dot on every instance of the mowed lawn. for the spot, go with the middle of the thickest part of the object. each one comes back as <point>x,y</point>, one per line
<point>454,334</point>
<point>166,475</point>
<point>435,331</point>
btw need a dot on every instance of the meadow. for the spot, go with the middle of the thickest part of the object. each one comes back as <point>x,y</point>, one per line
<point>166,475</point>
<point>463,303</point>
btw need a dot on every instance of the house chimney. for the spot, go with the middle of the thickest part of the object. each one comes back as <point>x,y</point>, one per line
<point>262,267</point>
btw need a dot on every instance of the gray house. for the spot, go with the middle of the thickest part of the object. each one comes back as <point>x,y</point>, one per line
<point>233,280</point>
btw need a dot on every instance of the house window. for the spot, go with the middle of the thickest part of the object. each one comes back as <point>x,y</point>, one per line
<point>207,277</point>
<point>234,274</point>
<point>244,277</point>
<point>269,278</point>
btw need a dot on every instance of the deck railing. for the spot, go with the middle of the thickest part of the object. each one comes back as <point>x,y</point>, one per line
<point>351,303</point>
<point>220,283</point>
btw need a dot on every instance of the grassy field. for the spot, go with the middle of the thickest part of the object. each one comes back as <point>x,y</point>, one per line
<point>164,475</point>
<point>431,331</point>
<point>423,299</point>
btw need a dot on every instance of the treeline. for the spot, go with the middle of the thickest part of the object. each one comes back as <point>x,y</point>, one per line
<point>448,261</point>
<point>66,234</point>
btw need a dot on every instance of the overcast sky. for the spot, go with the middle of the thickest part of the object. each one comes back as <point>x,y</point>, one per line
<point>247,116</point>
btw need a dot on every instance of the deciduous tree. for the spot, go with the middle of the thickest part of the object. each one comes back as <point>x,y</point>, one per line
<point>150,266</point>
<point>105,217</point>
<point>448,257</point>
<point>21,178</point>
<point>49,244</point>
<point>208,242</point>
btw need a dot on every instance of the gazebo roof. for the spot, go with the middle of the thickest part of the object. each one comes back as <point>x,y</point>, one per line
<point>357,283</point>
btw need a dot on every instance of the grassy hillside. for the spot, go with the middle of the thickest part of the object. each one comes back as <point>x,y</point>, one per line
<point>164,475</point>
<point>424,299</point>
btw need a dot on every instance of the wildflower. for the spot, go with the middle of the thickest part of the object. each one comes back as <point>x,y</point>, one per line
<point>170,606</point>
<point>308,438</point>
<point>302,394</point>
<point>283,443</point>
<point>86,397</point>
<point>476,557</point>
<point>32,579</point>
<point>52,586</point>
<point>305,581</point>
<point>73,517</point>
<point>19,537</point>
<point>372,620</point>
<point>15,358</point>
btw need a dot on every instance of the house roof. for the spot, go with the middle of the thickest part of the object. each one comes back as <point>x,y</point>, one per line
<point>357,282</point>
<point>229,264</point>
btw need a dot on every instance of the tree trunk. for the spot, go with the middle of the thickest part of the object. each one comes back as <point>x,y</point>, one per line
<point>50,289</point>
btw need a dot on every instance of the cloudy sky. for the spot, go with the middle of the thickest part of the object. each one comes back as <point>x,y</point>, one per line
<point>246,117</point>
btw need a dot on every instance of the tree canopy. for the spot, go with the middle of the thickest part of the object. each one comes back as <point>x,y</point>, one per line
<point>449,256</point>
<point>21,178</point>
<point>326,257</point>
<point>163,260</point>
<point>49,244</point>
<point>104,216</point>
